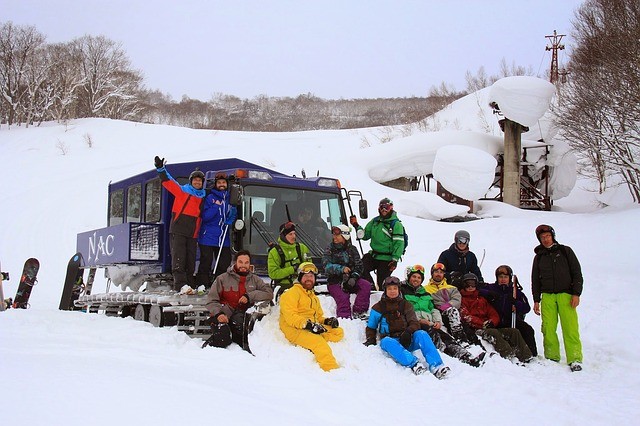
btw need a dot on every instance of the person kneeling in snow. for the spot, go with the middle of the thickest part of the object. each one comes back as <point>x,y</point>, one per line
<point>302,320</point>
<point>400,331</point>
<point>231,294</point>
<point>480,315</point>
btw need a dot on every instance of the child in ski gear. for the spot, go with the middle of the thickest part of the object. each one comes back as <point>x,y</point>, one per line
<point>185,224</point>
<point>447,299</point>
<point>215,233</point>
<point>302,320</point>
<point>396,321</point>
<point>430,318</point>
<point>500,295</point>
<point>283,262</point>
<point>343,266</point>
<point>458,259</point>
<point>556,283</point>
<point>386,233</point>
<point>232,293</point>
<point>481,316</point>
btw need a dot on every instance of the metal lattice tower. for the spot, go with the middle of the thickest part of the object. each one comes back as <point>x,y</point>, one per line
<point>555,40</point>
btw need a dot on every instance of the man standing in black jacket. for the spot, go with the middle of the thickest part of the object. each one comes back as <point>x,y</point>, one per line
<point>556,282</point>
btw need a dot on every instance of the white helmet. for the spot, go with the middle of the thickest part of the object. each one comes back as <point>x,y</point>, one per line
<point>344,230</point>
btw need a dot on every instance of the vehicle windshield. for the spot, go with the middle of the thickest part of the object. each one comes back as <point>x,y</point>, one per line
<point>266,208</point>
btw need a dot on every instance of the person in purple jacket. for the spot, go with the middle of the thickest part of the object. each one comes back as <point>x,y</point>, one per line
<point>214,240</point>
<point>501,296</point>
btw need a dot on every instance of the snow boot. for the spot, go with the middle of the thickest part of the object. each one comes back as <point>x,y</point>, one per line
<point>575,366</point>
<point>441,372</point>
<point>418,369</point>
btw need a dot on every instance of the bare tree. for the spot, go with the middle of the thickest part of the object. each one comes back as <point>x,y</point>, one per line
<point>18,48</point>
<point>599,109</point>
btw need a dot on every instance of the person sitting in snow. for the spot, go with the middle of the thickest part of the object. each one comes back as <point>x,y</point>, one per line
<point>458,259</point>
<point>430,318</point>
<point>386,233</point>
<point>283,261</point>
<point>302,320</point>
<point>214,240</point>
<point>501,296</point>
<point>343,266</point>
<point>231,294</point>
<point>481,316</point>
<point>396,321</point>
<point>447,299</point>
<point>184,226</point>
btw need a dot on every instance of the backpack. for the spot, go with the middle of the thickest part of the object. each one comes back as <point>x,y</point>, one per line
<point>281,253</point>
<point>404,231</point>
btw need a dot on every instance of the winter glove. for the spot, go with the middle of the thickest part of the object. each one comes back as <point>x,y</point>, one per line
<point>349,286</point>
<point>158,162</point>
<point>405,339</point>
<point>393,265</point>
<point>353,221</point>
<point>487,324</point>
<point>314,327</point>
<point>370,343</point>
<point>233,212</point>
<point>331,322</point>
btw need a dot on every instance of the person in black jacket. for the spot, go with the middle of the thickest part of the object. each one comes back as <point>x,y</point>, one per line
<point>501,296</point>
<point>458,259</point>
<point>556,283</point>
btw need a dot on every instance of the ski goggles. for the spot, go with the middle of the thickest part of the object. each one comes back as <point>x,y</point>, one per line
<point>337,231</point>
<point>391,281</point>
<point>470,283</point>
<point>385,206</point>
<point>438,267</point>
<point>462,240</point>
<point>415,268</point>
<point>308,267</point>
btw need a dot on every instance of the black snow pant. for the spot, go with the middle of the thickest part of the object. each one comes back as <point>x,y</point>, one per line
<point>183,260</point>
<point>447,344</point>
<point>208,255</point>
<point>381,267</point>
<point>529,335</point>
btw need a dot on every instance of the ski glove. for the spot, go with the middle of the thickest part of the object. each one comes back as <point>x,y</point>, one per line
<point>331,322</point>
<point>405,339</point>
<point>393,265</point>
<point>158,162</point>
<point>370,343</point>
<point>314,327</point>
<point>354,221</point>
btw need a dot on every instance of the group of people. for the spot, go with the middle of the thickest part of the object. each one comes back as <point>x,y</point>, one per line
<point>200,219</point>
<point>453,311</point>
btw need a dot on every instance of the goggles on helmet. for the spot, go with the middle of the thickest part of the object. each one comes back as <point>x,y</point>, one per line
<point>391,281</point>
<point>415,268</point>
<point>308,267</point>
<point>438,267</point>
<point>337,231</point>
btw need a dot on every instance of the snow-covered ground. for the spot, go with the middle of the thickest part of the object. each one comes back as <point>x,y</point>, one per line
<point>72,368</point>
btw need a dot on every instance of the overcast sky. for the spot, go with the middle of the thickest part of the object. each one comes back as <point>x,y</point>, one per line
<point>332,49</point>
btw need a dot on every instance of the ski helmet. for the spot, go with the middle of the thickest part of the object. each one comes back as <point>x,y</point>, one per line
<point>221,176</point>
<point>386,203</point>
<point>306,268</point>
<point>343,230</point>
<point>469,276</point>
<point>504,270</point>
<point>437,266</point>
<point>196,174</point>
<point>415,269</point>
<point>390,281</point>
<point>541,229</point>
<point>462,237</point>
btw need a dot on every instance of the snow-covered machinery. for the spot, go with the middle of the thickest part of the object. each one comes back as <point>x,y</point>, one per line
<point>134,248</point>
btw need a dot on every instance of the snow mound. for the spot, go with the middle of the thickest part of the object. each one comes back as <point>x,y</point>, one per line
<point>464,171</point>
<point>522,99</point>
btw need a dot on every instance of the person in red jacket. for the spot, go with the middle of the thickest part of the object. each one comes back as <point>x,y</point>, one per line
<point>184,226</point>
<point>481,316</point>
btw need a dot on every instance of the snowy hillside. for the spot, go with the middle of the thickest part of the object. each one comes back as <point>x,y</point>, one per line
<point>79,368</point>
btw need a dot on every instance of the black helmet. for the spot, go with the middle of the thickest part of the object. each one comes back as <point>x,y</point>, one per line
<point>469,276</point>
<point>390,281</point>
<point>541,229</point>
<point>196,174</point>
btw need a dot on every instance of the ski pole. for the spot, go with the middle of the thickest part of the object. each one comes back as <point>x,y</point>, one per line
<point>513,302</point>
<point>224,235</point>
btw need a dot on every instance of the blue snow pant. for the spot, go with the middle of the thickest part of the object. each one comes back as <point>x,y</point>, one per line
<point>420,339</point>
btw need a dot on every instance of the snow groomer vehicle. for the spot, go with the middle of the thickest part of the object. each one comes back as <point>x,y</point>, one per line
<point>133,250</point>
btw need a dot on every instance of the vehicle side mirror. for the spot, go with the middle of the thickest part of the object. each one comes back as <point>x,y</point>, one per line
<point>235,194</point>
<point>362,206</point>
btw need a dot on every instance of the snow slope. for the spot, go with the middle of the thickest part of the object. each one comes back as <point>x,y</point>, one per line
<point>80,368</point>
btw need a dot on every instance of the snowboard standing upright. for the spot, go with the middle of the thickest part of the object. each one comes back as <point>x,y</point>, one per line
<point>3,306</point>
<point>27,281</point>
<point>73,283</point>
